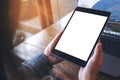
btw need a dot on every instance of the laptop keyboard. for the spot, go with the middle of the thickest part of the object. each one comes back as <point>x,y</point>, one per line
<point>111,44</point>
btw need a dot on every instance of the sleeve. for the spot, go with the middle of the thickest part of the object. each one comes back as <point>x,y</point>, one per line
<point>38,66</point>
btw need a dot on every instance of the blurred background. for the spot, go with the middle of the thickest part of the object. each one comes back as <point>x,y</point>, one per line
<point>32,16</point>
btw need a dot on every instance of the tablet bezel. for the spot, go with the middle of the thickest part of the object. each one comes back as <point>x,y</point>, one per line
<point>73,59</point>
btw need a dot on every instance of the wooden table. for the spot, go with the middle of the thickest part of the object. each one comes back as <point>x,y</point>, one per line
<point>37,43</point>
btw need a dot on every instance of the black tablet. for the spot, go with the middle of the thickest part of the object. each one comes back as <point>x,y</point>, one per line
<point>81,35</point>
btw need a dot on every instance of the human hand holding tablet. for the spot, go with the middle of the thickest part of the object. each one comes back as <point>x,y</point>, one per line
<point>81,35</point>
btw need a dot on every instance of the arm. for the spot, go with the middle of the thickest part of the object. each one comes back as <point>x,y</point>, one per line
<point>42,63</point>
<point>38,66</point>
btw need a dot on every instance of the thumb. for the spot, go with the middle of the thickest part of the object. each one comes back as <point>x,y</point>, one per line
<point>96,60</point>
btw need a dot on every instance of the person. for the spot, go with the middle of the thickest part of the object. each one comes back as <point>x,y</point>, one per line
<point>42,63</point>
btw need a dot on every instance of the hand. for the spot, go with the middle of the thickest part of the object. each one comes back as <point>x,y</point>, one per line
<point>48,51</point>
<point>93,65</point>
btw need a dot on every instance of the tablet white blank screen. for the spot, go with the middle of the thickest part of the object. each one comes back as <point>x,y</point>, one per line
<point>81,34</point>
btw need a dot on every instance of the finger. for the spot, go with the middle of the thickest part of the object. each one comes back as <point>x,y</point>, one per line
<point>55,40</point>
<point>52,44</point>
<point>98,53</point>
<point>95,61</point>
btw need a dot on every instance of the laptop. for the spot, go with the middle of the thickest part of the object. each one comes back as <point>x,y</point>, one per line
<point>111,36</point>
<point>111,49</point>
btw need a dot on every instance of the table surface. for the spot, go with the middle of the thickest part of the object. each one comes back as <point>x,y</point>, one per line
<point>37,43</point>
